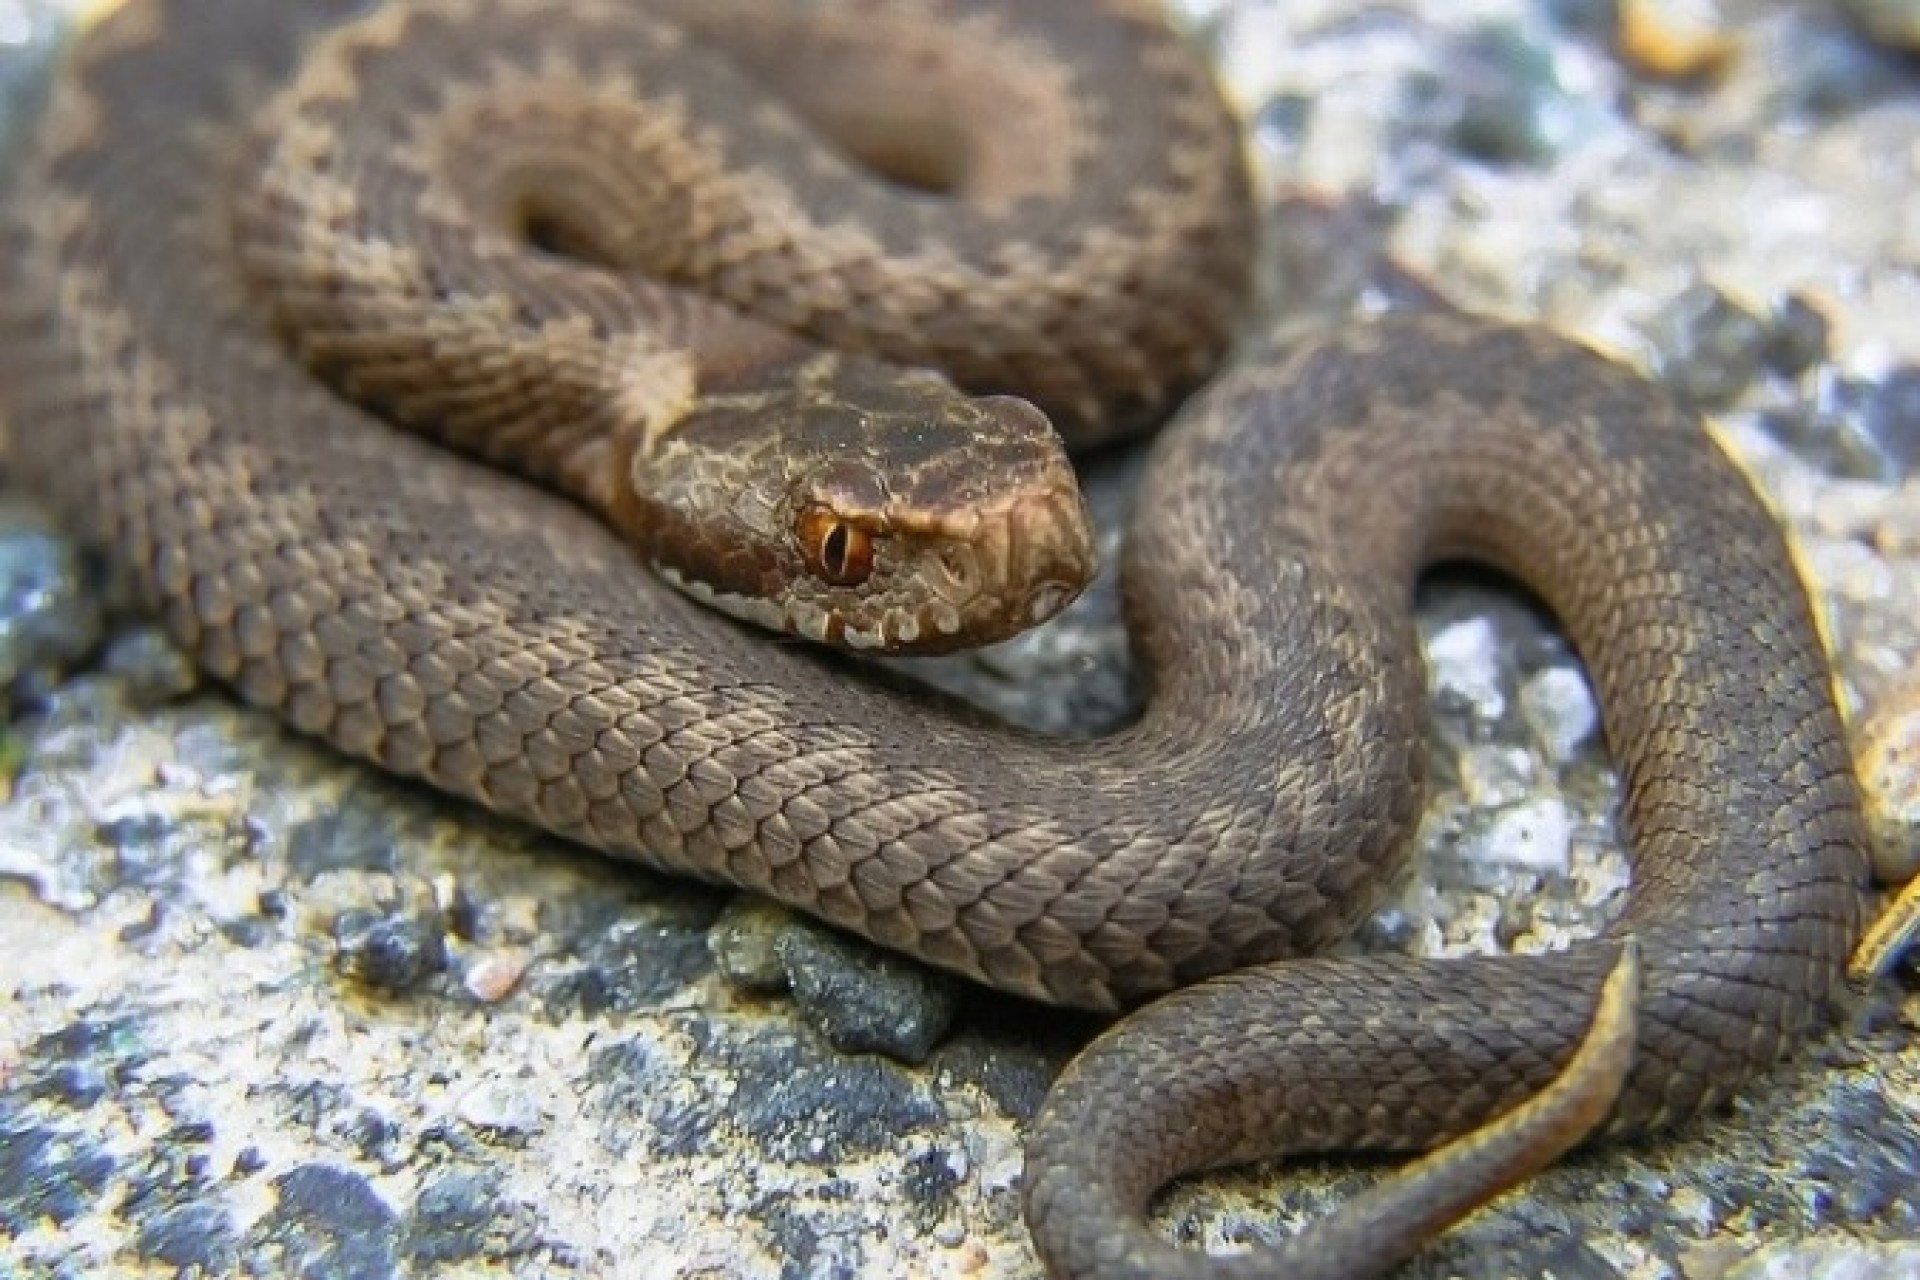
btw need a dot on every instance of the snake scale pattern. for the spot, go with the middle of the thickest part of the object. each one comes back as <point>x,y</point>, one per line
<point>1090,248</point>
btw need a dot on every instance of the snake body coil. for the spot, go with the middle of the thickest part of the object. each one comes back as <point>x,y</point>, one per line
<point>449,623</point>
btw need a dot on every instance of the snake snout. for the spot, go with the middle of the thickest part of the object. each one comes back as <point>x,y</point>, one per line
<point>1050,546</point>
<point>1004,511</point>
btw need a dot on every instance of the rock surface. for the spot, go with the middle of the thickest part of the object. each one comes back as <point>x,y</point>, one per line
<point>263,1011</point>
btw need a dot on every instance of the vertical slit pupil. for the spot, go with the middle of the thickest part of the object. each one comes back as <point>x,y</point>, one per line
<point>834,550</point>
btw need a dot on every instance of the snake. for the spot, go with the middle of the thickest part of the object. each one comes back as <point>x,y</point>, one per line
<point>350,335</point>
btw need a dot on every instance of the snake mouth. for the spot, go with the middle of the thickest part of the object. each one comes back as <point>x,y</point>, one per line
<point>1048,599</point>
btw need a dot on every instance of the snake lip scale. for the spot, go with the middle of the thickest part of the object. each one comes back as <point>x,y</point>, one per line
<point>597,244</point>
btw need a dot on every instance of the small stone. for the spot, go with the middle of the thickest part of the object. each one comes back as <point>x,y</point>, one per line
<point>191,1132</point>
<point>1498,99</point>
<point>491,979</point>
<point>504,1110</point>
<point>466,913</point>
<point>49,618</point>
<point>330,1221</point>
<point>75,1084</point>
<point>1888,762</point>
<point>1491,776</point>
<point>1890,417</point>
<point>1674,39</point>
<point>451,1218</point>
<point>1830,431</point>
<point>388,953</point>
<point>1015,1075</point>
<point>1593,19</point>
<point>1558,707</point>
<point>155,669</point>
<point>1826,74</point>
<point>1465,660</point>
<point>1537,835</point>
<point>865,1000</point>
<point>1710,350</point>
<point>649,1097</point>
<point>196,1237</point>
<point>127,833</point>
<point>1799,337</point>
<point>76,722</point>
<point>744,942</point>
<point>371,1133</point>
<point>931,1177</point>
<point>1282,121</point>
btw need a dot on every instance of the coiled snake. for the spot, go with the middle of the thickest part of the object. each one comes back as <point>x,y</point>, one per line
<point>450,623</point>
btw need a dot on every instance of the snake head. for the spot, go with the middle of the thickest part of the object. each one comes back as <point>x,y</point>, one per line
<point>867,508</point>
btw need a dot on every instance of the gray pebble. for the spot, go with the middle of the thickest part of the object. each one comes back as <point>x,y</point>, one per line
<point>1855,429</point>
<point>1887,757</point>
<point>154,668</point>
<point>504,1110</point>
<point>1890,417</point>
<point>391,953</point>
<point>1464,661</point>
<point>1709,350</point>
<point>452,1216</point>
<point>1536,835</point>
<point>1495,775</point>
<point>196,1237</point>
<point>1559,709</point>
<point>49,617</point>
<point>865,1000</point>
<point>1826,72</point>
<point>329,1222</point>
<point>744,942</point>
<point>1015,1072</point>
<point>1498,98</point>
<point>1594,19</point>
<point>1800,337</point>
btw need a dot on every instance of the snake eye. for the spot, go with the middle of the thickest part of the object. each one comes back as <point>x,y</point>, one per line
<point>837,552</point>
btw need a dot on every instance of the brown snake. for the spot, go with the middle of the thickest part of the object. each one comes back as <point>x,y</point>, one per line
<point>450,623</point>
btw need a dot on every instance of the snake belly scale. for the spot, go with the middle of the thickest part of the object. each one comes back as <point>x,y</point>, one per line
<point>449,622</point>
